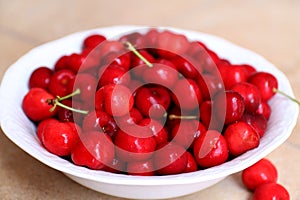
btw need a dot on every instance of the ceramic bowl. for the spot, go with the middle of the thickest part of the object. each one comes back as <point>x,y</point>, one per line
<point>21,131</point>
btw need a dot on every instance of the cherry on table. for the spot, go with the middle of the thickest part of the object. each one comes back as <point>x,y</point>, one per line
<point>271,191</point>
<point>258,174</point>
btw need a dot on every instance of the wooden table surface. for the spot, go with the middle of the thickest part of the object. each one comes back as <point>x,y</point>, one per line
<point>270,28</point>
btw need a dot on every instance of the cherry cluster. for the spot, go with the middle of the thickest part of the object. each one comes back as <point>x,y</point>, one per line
<point>148,104</point>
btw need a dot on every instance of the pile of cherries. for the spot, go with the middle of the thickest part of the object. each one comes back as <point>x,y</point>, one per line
<point>148,104</point>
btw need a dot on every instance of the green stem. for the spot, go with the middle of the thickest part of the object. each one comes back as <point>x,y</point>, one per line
<point>133,49</point>
<point>171,117</point>
<point>77,91</point>
<point>57,103</point>
<point>286,95</point>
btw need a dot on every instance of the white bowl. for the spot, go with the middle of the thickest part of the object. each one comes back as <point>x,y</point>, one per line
<point>21,131</point>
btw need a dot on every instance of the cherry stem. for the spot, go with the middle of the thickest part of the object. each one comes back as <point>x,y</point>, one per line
<point>57,102</point>
<point>133,49</point>
<point>171,117</point>
<point>286,95</point>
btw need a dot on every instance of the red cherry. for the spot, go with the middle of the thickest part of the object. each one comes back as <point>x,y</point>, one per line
<point>250,94</point>
<point>186,94</point>
<point>260,173</point>
<point>208,60</point>
<point>75,62</point>
<point>249,70</point>
<point>271,191</point>
<point>160,74</point>
<point>265,82</point>
<point>62,63</point>
<point>111,46</point>
<point>116,166</point>
<point>152,101</point>
<point>41,126</point>
<point>209,121</point>
<point>117,58</point>
<point>209,85</point>
<point>264,109</point>
<point>133,38</point>
<point>99,121</point>
<point>35,104</point>
<point>40,78</point>
<point>191,165</point>
<point>240,138</point>
<point>187,66</point>
<point>210,149</point>
<point>136,144</point>
<point>170,159</point>
<point>232,74</point>
<point>113,74</point>
<point>159,132</point>
<point>61,82</point>
<point>87,85</point>
<point>257,121</point>
<point>60,138</point>
<point>133,117</point>
<point>186,132</point>
<point>170,44</point>
<point>93,41</point>
<point>117,99</point>
<point>141,168</point>
<point>229,106</point>
<point>95,150</point>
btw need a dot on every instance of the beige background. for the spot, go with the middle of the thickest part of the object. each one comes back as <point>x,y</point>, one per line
<point>271,28</point>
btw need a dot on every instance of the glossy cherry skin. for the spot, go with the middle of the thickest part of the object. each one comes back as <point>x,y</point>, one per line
<point>159,132</point>
<point>232,74</point>
<point>61,82</point>
<point>138,66</point>
<point>240,138</point>
<point>271,191</point>
<point>116,166</point>
<point>95,150</point>
<point>141,168</point>
<point>264,109</point>
<point>99,121</point>
<point>42,126</point>
<point>93,40</point>
<point>257,121</point>
<point>260,173</point>
<point>87,84</point>
<point>231,104</point>
<point>210,149</point>
<point>35,104</point>
<point>134,144</point>
<point>209,85</point>
<point>60,138</point>
<point>250,94</point>
<point>208,119</point>
<point>116,100</point>
<point>152,101</point>
<point>170,44</point>
<point>133,117</point>
<point>186,94</point>
<point>40,78</point>
<point>170,159</point>
<point>113,74</point>
<point>186,132</point>
<point>117,58</point>
<point>187,66</point>
<point>160,74</point>
<point>62,63</point>
<point>66,115</point>
<point>265,82</point>
<point>191,165</point>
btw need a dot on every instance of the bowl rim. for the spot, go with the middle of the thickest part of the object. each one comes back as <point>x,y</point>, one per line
<point>66,167</point>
